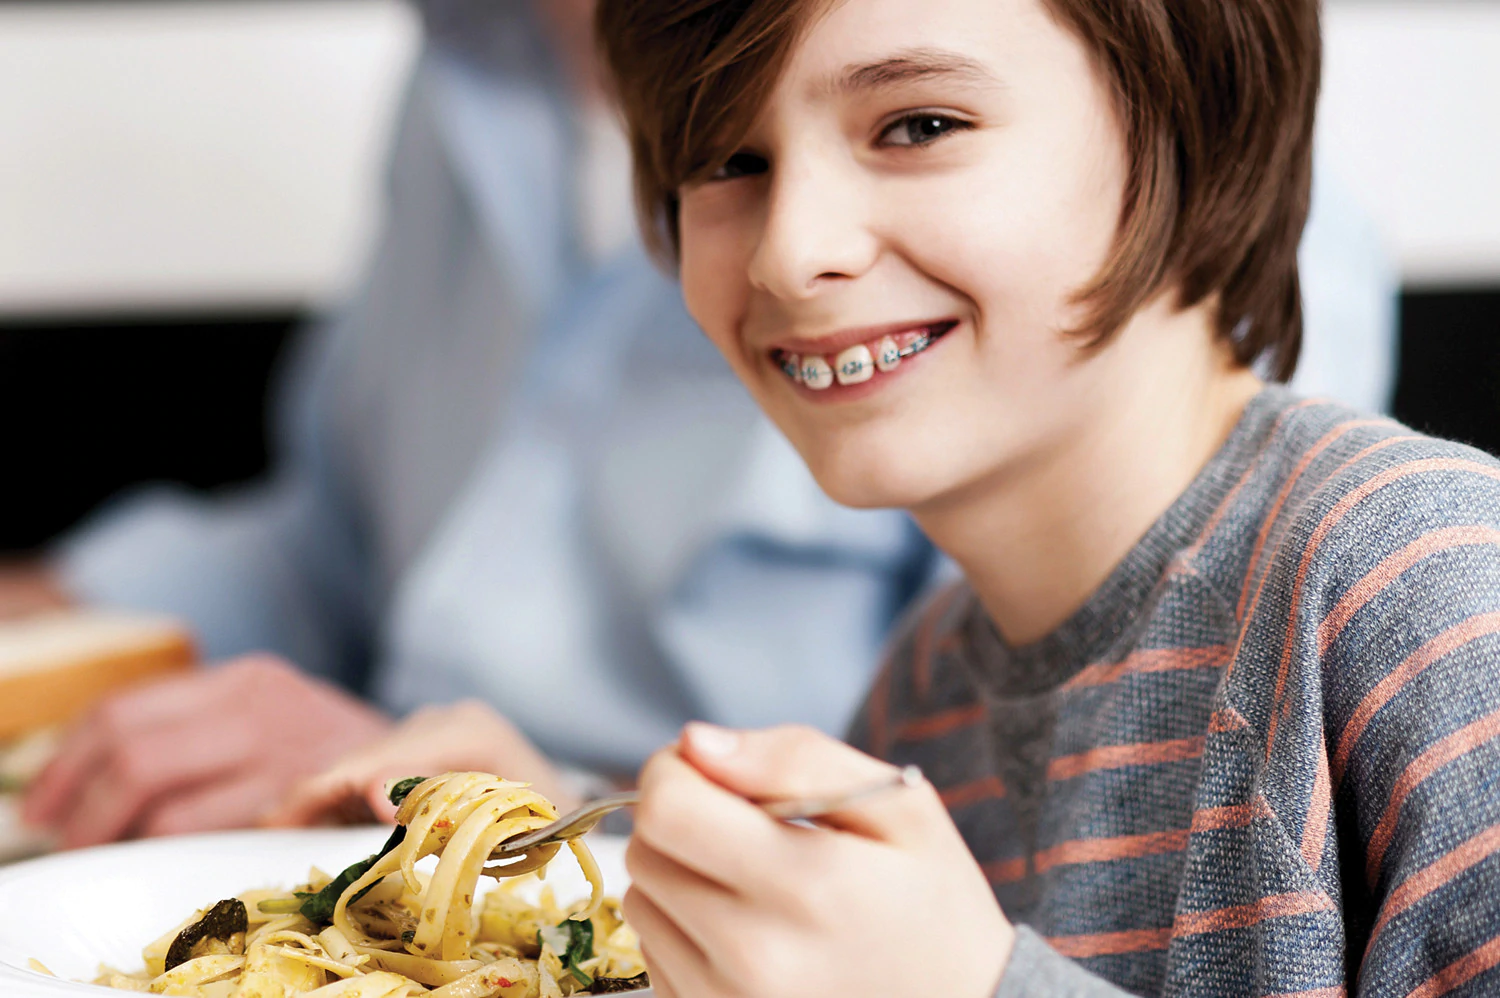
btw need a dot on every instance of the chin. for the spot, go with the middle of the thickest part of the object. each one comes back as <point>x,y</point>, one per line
<point>858,478</point>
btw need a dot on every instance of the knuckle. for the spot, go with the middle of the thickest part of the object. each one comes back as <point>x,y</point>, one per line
<point>632,907</point>
<point>650,821</point>
<point>790,751</point>
<point>656,777</point>
<point>479,715</point>
<point>662,818</point>
<point>112,717</point>
<point>131,763</point>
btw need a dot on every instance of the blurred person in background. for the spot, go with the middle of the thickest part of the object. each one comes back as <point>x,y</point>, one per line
<point>492,488</point>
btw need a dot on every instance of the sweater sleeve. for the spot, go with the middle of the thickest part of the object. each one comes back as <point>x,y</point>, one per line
<point>1411,665</point>
<point>1036,970</point>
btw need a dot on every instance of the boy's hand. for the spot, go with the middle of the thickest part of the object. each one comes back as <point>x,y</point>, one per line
<point>731,903</point>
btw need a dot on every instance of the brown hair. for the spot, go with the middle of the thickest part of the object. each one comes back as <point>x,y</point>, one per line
<point>1216,97</point>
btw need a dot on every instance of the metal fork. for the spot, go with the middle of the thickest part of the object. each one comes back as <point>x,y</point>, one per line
<point>583,820</point>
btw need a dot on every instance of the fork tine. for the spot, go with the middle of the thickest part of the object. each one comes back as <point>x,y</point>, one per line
<point>569,826</point>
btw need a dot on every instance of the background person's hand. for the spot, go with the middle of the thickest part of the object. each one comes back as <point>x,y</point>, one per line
<point>211,750</point>
<point>730,903</point>
<point>463,737</point>
<point>28,588</point>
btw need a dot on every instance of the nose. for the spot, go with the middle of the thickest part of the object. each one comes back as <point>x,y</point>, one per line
<point>816,232</point>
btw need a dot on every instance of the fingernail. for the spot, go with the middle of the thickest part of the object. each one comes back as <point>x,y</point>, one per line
<point>712,740</point>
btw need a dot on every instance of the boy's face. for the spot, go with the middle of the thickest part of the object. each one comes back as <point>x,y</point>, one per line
<point>954,170</point>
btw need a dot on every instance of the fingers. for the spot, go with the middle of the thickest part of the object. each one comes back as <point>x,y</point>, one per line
<point>170,755</point>
<point>48,797</point>
<point>145,769</point>
<point>114,724</point>
<point>234,803</point>
<point>661,983</point>
<point>796,762</point>
<point>335,796</point>
<point>676,964</point>
<point>683,895</point>
<point>718,835</point>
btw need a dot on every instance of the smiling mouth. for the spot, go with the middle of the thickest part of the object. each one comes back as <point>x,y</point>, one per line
<point>859,363</point>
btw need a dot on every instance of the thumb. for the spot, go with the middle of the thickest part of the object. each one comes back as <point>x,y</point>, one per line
<point>337,797</point>
<point>799,763</point>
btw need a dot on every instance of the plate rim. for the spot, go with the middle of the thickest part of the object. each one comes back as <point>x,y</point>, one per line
<point>37,985</point>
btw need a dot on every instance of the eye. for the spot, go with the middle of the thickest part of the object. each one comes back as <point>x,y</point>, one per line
<point>741,164</point>
<point>920,129</point>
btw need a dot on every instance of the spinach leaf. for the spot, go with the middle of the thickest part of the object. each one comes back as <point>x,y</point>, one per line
<point>573,942</point>
<point>220,922</point>
<point>318,908</point>
<point>614,985</point>
<point>403,788</point>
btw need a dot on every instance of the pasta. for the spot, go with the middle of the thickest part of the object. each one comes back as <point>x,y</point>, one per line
<point>385,929</point>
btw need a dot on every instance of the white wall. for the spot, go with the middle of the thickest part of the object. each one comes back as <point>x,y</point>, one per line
<point>1411,121</point>
<point>216,153</point>
<point>193,153</point>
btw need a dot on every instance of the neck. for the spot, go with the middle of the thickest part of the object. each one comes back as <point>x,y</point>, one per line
<point>1037,538</point>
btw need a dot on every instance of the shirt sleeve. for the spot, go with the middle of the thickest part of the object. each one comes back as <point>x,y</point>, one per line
<point>1412,718</point>
<point>1036,970</point>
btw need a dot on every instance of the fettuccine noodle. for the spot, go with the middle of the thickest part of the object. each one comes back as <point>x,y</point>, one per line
<point>397,931</point>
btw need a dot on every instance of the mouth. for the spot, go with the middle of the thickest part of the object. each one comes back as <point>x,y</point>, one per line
<point>878,357</point>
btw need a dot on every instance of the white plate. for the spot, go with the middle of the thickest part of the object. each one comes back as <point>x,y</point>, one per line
<point>76,910</point>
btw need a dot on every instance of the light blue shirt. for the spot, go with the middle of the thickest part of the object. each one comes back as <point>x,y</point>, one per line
<point>510,473</point>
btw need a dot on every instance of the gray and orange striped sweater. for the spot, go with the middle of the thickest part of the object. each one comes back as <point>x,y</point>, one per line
<point>1264,758</point>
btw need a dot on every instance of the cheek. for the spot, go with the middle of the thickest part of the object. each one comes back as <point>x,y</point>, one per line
<point>1018,235</point>
<point>714,286</point>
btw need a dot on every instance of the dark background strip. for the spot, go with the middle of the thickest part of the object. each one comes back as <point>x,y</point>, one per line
<point>89,407</point>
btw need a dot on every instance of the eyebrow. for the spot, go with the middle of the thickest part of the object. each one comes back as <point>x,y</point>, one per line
<point>911,66</point>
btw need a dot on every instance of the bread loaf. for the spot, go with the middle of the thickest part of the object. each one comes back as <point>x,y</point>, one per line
<point>55,666</point>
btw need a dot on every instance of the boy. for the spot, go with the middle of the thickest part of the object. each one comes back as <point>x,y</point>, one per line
<point>1216,709</point>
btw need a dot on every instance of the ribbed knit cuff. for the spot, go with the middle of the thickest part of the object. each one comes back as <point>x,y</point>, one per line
<point>1036,970</point>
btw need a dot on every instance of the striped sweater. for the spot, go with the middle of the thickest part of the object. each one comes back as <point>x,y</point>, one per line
<point>1264,758</point>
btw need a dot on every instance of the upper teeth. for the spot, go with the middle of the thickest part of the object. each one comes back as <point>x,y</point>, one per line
<point>854,365</point>
<point>816,374</point>
<point>791,364</point>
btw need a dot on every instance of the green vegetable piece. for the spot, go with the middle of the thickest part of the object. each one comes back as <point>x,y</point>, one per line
<point>573,942</point>
<point>402,788</point>
<point>318,908</point>
<point>222,921</point>
<point>282,906</point>
<point>614,985</point>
